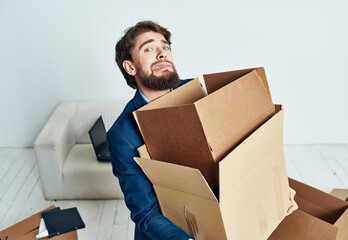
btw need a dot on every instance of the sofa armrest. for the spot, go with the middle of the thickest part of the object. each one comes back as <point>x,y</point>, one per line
<point>52,147</point>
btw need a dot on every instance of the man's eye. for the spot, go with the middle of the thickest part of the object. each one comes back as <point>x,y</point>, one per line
<point>148,49</point>
<point>166,48</point>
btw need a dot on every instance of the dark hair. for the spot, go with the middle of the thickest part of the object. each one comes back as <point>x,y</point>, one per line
<point>125,45</point>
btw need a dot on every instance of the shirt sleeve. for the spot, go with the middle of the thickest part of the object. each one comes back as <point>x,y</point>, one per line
<point>138,192</point>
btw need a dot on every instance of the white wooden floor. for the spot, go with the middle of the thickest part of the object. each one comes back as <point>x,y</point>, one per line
<point>322,166</point>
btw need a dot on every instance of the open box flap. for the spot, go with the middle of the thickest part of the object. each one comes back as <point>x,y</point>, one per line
<point>28,228</point>
<point>182,95</point>
<point>318,203</point>
<point>217,80</point>
<point>161,126</point>
<point>231,114</point>
<point>176,177</point>
<point>198,216</point>
<point>23,227</point>
<point>255,170</point>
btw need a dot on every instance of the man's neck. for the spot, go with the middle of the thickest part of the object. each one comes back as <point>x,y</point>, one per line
<point>151,94</point>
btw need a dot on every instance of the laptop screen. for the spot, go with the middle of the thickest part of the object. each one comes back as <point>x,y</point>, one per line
<point>98,134</point>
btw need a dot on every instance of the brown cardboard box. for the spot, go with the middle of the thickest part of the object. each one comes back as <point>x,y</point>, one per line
<point>188,128</point>
<point>320,216</point>
<point>340,193</point>
<point>29,228</point>
<point>254,191</point>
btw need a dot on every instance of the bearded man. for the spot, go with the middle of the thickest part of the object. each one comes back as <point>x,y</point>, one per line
<point>145,59</point>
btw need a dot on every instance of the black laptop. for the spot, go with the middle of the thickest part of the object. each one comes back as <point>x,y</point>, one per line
<point>97,133</point>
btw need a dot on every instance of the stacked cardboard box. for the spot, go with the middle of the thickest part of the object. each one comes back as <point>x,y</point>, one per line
<point>189,128</point>
<point>232,138</point>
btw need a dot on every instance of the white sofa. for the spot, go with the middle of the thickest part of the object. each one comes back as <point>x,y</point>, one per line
<point>66,160</point>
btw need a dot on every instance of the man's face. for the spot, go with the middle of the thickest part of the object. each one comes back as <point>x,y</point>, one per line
<point>153,61</point>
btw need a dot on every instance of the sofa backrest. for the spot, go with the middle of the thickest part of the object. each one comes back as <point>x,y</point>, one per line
<point>87,112</point>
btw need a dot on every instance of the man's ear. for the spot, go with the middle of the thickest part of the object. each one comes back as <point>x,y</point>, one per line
<point>129,66</point>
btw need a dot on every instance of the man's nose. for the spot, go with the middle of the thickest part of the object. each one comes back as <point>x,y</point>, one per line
<point>161,54</point>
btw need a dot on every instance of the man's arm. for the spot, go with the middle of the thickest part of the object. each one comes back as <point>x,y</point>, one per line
<point>138,192</point>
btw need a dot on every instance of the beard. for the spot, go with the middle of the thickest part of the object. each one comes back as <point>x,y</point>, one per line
<point>168,80</point>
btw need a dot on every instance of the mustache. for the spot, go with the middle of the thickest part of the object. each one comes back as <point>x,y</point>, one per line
<point>162,61</point>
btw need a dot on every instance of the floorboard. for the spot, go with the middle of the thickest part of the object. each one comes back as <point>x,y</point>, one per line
<point>322,166</point>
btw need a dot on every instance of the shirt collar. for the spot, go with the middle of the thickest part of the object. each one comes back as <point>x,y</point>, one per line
<point>144,98</point>
<point>138,100</point>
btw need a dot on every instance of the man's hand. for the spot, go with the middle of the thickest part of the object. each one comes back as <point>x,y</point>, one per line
<point>294,205</point>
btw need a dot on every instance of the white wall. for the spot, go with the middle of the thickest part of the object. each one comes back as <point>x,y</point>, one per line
<point>64,50</point>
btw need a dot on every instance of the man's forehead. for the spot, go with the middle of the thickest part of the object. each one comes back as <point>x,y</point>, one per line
<point>149,37</point>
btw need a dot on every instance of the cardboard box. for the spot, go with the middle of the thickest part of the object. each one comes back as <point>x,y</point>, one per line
<point>254,191</point>
<point>187,127</point>
<point>320,216</point>
<point>340,193</point>
<point>29,228</point>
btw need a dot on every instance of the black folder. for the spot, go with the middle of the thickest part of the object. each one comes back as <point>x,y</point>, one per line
<point>62,221</point>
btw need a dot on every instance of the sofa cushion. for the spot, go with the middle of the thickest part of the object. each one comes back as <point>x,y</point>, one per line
<point>85,177</point>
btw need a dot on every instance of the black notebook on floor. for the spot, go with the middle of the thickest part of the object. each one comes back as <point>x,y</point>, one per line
<point>62,221</point>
